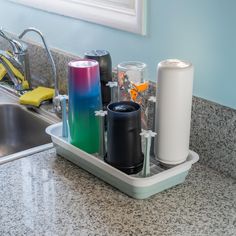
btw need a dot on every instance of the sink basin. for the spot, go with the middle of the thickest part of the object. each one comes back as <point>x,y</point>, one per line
<point>20,129</point>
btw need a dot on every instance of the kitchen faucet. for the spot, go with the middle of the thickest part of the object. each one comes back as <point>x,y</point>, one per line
<point>20,60</point>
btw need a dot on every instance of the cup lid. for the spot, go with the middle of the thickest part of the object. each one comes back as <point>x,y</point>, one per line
<point>96,53</point>
<point>83,63</point>
<point>174,64</point>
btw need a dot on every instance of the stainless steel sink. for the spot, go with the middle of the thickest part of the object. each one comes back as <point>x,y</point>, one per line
<point>20,129</point>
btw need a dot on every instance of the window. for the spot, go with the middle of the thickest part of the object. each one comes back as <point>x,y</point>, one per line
<point>129,15</point>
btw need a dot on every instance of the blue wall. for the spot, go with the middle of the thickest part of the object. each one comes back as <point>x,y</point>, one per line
<point>201,31</point>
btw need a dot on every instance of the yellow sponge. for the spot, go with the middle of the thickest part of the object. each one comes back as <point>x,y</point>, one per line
<point>36,96</point>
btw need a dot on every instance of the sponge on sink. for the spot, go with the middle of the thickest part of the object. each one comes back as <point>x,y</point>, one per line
<point>36,96</point>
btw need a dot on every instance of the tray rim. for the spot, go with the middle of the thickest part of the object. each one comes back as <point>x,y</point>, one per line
<point>132,180</point>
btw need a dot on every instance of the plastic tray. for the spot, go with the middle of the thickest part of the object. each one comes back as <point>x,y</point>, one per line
<point>136,186</point>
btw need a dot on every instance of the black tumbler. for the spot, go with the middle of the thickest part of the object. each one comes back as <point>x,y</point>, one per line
<point>105,65</point>
<point>124,150</point>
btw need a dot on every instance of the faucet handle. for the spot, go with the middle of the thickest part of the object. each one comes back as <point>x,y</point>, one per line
<point>17,46</point>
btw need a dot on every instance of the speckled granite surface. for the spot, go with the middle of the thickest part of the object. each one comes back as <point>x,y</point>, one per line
<point>41,68</point>
<point>213,135</point>
<point>46,195</point>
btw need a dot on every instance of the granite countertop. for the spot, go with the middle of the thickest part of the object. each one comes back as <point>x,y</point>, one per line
<point>44,194</point>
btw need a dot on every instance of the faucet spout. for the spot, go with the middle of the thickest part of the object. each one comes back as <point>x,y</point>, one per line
<point>56,100</point>
<point>31,29</point>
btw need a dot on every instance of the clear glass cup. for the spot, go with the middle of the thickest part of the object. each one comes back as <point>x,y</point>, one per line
<point>132,79</point>
<point>135,71</point>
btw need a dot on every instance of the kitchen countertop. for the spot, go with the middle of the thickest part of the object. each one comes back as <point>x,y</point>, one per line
<point>44,194</point>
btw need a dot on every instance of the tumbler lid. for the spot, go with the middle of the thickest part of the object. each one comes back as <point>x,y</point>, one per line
<point>83,63</point>
<point>124,107</point>
<point>174,64</point>
<point>96,53</point>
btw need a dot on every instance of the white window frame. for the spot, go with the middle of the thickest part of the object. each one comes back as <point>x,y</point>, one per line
<point>132,20</point>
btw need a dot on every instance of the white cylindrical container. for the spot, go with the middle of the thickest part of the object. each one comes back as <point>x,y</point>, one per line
<point>173,110</point>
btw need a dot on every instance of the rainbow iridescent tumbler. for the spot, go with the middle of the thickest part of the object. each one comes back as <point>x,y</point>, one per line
<point>84,100</point>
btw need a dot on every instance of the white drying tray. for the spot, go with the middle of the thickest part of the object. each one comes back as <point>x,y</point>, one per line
<point>133,185</point>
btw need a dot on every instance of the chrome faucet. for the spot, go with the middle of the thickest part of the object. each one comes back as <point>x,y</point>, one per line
<point>48,53</point>
<point>20,60</point>
<point>57,97</point>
